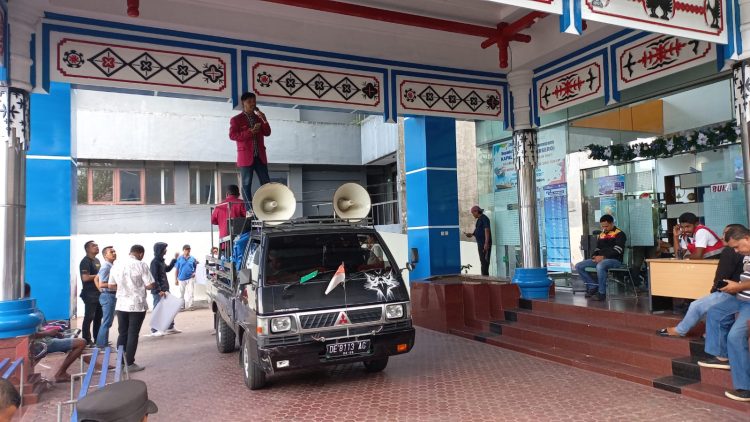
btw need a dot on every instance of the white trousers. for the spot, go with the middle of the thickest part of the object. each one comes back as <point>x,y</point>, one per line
<point>187,287</point>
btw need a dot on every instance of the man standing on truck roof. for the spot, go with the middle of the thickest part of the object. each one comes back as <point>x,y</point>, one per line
<point>159,270</point>
<point>249,129</point>
<point>232,207</point>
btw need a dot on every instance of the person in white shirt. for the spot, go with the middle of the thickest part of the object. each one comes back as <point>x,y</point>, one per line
<point>132,278</point>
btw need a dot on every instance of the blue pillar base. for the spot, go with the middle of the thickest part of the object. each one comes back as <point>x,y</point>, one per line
<point>19,318</point>
<point>533,282</point>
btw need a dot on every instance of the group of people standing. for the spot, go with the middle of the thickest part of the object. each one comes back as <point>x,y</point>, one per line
<point>118,288</point>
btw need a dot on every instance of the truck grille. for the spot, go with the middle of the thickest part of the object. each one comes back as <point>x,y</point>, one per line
<point>359,316</point>
<point>318,320</point>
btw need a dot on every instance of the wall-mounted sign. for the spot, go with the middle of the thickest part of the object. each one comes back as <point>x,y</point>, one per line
<point>451,99</point>
<point>121,64</point>
<point>549,6</point>
<point>572,85</point>
<point>697,19</point>
<point>609,185</point>
<point>723,187</point>
<point>657,56</point>
<point>314,85</point>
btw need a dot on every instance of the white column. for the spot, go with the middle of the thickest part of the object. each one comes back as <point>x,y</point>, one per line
<point>525,159</point>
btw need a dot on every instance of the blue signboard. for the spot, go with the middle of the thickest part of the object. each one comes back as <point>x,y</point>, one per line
<point>556,231</point>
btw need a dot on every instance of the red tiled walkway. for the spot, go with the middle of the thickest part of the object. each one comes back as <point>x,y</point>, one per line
<point>445,378</point>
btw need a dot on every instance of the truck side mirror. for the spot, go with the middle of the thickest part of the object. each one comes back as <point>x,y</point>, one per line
<point>246,277</point>
<point>413,259</point>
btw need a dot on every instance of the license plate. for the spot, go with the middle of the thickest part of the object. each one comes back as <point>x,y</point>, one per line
<point>348,348</point>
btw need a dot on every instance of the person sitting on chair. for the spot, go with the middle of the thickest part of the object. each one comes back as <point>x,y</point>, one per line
<point>608,254</point>
<point>695,240</point>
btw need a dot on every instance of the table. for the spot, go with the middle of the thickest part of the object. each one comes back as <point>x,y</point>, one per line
<point>680,278</point>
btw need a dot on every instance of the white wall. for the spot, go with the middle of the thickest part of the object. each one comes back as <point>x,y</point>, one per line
<point>378,138</point>
<point>139,127</point>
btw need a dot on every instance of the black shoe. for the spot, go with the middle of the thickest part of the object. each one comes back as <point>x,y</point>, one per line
<point>739,395</point>
<point>590,292</point>
<point>599,297</point>
<point>714,363</point>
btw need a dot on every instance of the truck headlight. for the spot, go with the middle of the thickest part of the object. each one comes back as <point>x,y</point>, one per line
<point>281,324</point>
<point>394,311</point>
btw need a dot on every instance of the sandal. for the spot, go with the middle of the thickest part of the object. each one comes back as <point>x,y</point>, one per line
<point>665,333</point>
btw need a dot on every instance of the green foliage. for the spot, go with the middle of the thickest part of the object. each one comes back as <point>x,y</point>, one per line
<point>704,139</point>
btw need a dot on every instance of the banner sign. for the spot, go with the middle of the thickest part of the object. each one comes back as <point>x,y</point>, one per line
<point>696,19</point>
<point>609,185</point>
<point>647,59</point>
<point>122,64</point>
<point>723,187</point>
<point>556,231</point>
<point>568,87</point>
<point>314,85</point>
<point>452,99</point>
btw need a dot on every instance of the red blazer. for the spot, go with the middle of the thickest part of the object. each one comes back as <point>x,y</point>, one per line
<point>219,216</point>
<point>239,131</point>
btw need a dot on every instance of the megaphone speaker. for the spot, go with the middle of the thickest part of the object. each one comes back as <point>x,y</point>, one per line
<point>274,203</point>
<point>351,202</point>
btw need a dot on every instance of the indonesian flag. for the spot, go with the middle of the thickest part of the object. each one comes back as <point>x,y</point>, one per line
<point>337,279</point>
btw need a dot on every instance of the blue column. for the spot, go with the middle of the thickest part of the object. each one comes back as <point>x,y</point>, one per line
<point>50,201</point>
<point>432,195</point>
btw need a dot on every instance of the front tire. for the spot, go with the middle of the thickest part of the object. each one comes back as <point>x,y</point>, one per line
<point>225,337</point>
<point>252,374</point>
<point>376,365</point>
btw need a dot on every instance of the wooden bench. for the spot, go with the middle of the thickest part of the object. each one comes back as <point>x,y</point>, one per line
<point>88,379</point>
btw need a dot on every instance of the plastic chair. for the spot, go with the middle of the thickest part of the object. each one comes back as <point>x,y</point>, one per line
<point>623,275</point>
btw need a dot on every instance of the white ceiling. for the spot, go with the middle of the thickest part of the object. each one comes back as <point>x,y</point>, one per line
<point>299,27</point>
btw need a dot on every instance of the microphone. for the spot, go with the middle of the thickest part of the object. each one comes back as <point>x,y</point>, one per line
<point>257,112</point>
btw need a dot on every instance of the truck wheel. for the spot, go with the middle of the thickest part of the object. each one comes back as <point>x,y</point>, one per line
<point>376,365</point>
<point>224,335</point>
<point>252,374</point>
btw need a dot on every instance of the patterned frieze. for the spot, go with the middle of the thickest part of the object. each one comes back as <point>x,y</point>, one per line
<point>549,6</point>
<point>571,85</point>
<point>435,97</point>
<point>301,83</point>
<point>657,56</point>
<point>697,19</point>
<point>123,64</point>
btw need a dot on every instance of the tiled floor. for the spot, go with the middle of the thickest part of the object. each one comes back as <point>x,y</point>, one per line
<point>445,378</point>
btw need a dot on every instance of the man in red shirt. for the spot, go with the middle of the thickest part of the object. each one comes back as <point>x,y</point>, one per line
<point>232,207</point>
<point>249,130</point>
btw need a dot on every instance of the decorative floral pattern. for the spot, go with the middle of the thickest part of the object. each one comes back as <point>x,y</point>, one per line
<point>703,139</point>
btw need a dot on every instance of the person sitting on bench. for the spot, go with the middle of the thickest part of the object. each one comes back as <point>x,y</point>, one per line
<point>610,246</point>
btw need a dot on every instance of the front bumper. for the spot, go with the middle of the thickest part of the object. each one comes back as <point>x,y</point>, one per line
<point>313,353</point>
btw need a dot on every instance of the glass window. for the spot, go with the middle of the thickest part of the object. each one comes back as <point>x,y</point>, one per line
<point>159,186</point>
<point>228,178</point>
<point>101,185</point>
<point>130,186</point>
<point>202,186</point>
<point>83,185</point>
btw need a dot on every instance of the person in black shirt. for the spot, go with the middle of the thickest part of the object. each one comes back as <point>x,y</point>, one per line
<point>159,270</point>
<point>609,252</point>
<point>89,268</point>
<point>483,235</point>
<point>729,268</point>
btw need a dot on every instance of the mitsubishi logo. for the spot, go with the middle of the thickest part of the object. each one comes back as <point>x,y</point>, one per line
<point>342,319</point>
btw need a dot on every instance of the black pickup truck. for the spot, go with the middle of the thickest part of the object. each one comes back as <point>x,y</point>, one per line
<point>284,309</point>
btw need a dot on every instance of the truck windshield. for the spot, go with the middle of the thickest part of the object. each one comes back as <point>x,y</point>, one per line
<point>291,258</point>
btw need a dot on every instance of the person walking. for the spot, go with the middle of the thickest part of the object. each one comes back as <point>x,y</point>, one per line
<point>185,276</point>
<point>131,279</point>
<point>483,236</point>
<point>159,270</point>
<point>89,268</point>
<point>249,129</point>
<point>107,297</point>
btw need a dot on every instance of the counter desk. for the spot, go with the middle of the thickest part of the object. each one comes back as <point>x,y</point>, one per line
<point>680,278</point>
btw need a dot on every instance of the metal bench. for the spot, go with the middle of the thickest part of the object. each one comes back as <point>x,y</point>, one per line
<point>87,377</point>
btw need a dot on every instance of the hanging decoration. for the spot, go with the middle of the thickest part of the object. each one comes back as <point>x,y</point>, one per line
<point>703,139</point>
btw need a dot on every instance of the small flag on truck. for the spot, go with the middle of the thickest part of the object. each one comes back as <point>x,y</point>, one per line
<point>337,279</point>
